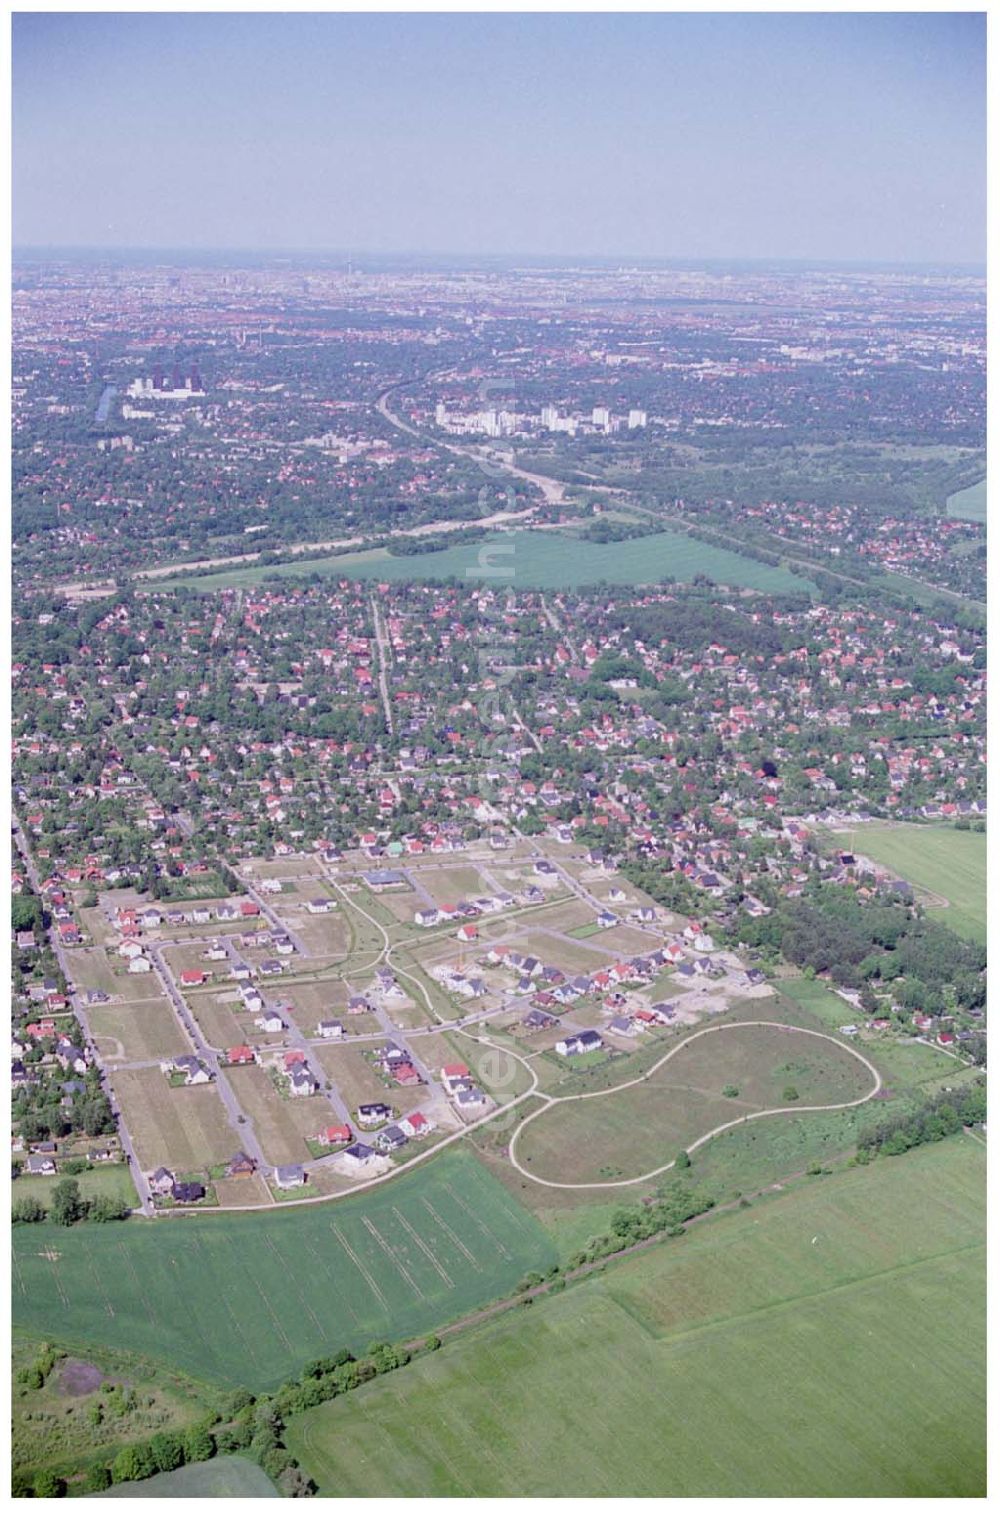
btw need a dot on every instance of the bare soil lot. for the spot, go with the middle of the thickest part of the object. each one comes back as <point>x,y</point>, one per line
<point>324,936</point>
<point>359,1082</point>
<point>283,867</point>
<point>138,1031</point>
<point>281,1123</point>
<point>183,1128</point>
<point>223,1027</point>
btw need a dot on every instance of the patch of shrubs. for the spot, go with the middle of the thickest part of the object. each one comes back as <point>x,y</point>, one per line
<point>48,1484</point>
<point>36,1375</point>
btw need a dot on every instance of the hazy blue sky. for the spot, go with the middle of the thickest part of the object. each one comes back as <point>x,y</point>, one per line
<point>819,136</point>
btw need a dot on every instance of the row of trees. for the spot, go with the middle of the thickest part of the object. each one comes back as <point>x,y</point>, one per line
<point>673,1206</point>
<point>165,1451</point>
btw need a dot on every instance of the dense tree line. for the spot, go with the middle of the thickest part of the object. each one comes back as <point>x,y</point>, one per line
<point>944,1113</point>
<point>694,624</point>
<point>830,930</point>
<point>40,1112</point>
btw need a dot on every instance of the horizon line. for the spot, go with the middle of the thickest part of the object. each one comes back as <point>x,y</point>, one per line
<point>567,258</point>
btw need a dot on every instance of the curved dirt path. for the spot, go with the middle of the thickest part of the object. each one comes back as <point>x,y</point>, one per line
<point>714,1029</point>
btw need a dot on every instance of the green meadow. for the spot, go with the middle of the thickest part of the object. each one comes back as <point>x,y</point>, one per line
<point>638,1129</point>
<point>227,1476</point>
<point>969,504</point>
<point>939,860</point>
<point>827,1341</point>
<point>247,1300</point>
<point>532,559</point>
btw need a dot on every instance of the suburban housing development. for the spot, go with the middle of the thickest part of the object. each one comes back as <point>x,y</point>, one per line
<point>498,756</point>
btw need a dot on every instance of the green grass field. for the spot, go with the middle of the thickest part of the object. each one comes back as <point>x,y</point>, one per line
<point>533,559</point>
<point>826,1342</point>
<point>969,504</point>
<point>248,1300</point>
<point>938,859</point>
<point>228,1476</point>
<point>627,1133</point>
<point>113,1181</point>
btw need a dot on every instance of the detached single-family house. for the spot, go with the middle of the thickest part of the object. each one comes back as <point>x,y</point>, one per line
<point>289,1176</point>
<point>415,1125</point>
<point>372,1114</point>
<point>40,1166</point>
<point>195,1071</point>
<point>454,1073</point>
<point>187,1192</point>
<point>320,905</point>
<point>301,1083</point>
<point>330,1029</point>
<point>356,1158</point>
<point>578,1045</point>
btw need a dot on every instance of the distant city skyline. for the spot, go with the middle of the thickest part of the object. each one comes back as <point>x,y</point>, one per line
<point>728,137</point>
